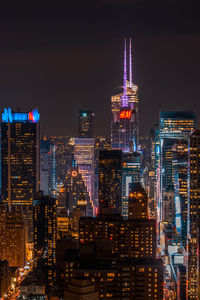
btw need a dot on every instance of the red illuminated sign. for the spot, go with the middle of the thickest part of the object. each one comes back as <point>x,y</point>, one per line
<point>125,114</point>
<point>74,173</point>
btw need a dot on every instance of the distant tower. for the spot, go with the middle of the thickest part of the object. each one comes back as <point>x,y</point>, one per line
<point>125,112</point>
<point>86,123</point>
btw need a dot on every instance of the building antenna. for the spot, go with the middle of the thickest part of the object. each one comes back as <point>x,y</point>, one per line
<point>125,70</point>
<point>124,97</point>
<point>130,64</point>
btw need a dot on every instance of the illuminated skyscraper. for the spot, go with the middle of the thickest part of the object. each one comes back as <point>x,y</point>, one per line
<point>193,213</point>
<point>74,193</point>
<point>20,159</point>
<point>84,157</point>
<point>125,113</point>
<point>110,179</point>
<point>13,233</point>
<point>175,129</point>
<point>180,178</point>
<point>52,175</point>
<point>86,123</point>
<point>131,173</point>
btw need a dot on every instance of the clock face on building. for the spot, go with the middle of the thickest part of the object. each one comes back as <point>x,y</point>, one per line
<point>74,173</point>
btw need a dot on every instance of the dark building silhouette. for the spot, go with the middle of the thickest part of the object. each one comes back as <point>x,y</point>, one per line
<point>81,288</point>
<point>138,203</point>
<point>110,180</point>
<point>45,226</point>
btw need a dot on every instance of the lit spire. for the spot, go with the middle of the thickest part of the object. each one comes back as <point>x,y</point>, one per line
<point>125,71</point>
<point>124,97</point>
<point>130,64</point>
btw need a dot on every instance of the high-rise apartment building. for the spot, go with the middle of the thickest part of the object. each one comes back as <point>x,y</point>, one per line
<point>131,173</point>
<point>110,179</point>
<point>84,157</point>
<point>125,113</point>
<point>13,241</point>
<point>86,123</point>
<point>20,159</point>
<point>124,264</point>
<point>133,279</point>
<point>45,226</point>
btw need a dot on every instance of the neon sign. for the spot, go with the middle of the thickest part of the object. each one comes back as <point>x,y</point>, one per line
<point>8,115</point>
<point>74,173</point>
<point>125,114</point>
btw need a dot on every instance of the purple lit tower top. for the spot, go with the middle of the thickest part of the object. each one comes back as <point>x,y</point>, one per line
<point>130,64</point>
<point>124,98</point>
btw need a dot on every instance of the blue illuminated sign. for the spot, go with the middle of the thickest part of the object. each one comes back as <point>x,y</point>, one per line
<point>9,117</point>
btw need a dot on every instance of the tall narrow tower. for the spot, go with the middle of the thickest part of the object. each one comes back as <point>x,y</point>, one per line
<point>125,112</point>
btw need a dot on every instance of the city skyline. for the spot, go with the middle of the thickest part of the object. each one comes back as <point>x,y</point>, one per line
<point>100,150</point>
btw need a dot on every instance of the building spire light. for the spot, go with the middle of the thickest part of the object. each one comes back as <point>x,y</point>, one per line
<point>125,97</point>
<point>130,64</point>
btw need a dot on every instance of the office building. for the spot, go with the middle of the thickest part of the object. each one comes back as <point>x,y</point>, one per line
<point>45,226</point>
<point>193,213</point>
<point>138,203</point>
<point>52,171</point>
<point>180,170</point>
<point>74,193</point>
<point>131,173</point>
<point>125,112</point>
<point>84,157</point>
<point>110,180</point>
<point>86,123</point>
<point>175,129</point>
<point>154,161</point>
<point>20,160</point>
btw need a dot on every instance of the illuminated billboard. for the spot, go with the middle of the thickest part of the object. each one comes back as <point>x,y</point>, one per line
<point>32,116</point>
<point>125,114</point>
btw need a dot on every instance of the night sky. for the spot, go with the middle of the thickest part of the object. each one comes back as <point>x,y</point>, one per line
<point>62,58</point>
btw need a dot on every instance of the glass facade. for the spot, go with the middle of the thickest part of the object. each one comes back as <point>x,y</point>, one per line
<point>84,157</point>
